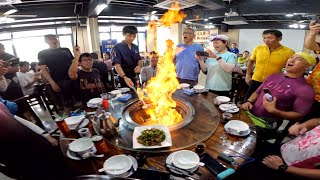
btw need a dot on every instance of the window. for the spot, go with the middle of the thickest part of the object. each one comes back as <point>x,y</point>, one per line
<point>116,33</point>
<point>41,32</point>
<point>66,41</point>
<point>4,36</point>
<point>64,30</point>
<point>8,46</point>
<point>28,44</point>
<point>142,42</point>
<point>104,36</point>
<point>28,48</point>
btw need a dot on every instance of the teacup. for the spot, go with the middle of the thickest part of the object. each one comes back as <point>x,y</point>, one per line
<point>226,117</point>
<point>82,146</point>
<point>84,132</point>
<point>216,101</point>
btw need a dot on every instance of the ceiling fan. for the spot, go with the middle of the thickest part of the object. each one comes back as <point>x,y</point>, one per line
<point>9,14</point>
<point>149,15</point>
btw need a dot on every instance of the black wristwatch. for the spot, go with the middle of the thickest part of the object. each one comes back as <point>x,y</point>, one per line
<point>219,58</point>
<point>283,167</point>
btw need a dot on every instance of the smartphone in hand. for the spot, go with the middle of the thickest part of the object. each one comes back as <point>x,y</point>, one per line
<point>202,53</point>
<point>267,94</point>
<point>314,18</point>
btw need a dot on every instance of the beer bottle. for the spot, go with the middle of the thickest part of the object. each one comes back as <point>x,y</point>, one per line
<point>137,79</point>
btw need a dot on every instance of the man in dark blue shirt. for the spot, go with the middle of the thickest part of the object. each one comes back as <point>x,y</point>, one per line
<point>126,57</point>
<point>234,48</point>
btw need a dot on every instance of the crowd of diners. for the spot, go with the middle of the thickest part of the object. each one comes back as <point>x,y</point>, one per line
<point>81,76</point>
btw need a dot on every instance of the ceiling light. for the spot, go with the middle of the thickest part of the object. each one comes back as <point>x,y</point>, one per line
<point>302,26</point>
<point>207,27</point>
<point>289,15</point>
<point>210,23</point>
<point>295,26</point>
<point>205,19</point>
<point>101,7</point>
<point>11,11</point>
<point>267,0</point>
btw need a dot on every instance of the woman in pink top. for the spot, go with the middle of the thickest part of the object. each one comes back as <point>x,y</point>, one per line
<point>301,156</point>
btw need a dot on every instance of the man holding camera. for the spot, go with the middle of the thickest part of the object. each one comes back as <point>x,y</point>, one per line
<point>3,55</point>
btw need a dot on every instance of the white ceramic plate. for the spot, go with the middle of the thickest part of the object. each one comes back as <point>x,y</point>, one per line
<point>169,161</point>
<point>237,128</point>
<point>73,121</point>
<point>115,92</point>
<point>223,99</point>
<point>184,85</point>
<point>130,172</point>
<point>185,154</point>
<point>117,161</point>
<point>73,156</point>
<point>231,108</point>
<point>95,101</point>
<point>124,90</point>
<point>137,132</point>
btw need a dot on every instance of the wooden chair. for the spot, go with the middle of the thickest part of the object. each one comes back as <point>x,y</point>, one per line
<point>24,101</point>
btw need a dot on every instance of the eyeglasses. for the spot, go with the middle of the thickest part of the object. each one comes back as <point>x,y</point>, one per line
<point>87,60</point>
<point>189,33</point>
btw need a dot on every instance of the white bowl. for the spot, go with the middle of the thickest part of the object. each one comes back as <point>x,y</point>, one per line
<point>185,154</point>
<point>238,128</point>
<point>116,162</point>
<point>184,85</point>
<point>223,99</point>
<point>82,146</point>
<point>73,121</point>
<point>198,88</point>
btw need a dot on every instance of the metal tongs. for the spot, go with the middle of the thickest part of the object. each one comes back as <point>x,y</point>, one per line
<point>144,103</point>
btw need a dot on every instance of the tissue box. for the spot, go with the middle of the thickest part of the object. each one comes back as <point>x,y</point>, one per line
<point>189,91</point>
<point>124,98</point>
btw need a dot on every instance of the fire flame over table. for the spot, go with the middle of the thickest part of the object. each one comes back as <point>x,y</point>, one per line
<point>161,87</point>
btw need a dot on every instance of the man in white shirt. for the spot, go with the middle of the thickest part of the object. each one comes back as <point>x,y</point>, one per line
<point>26,82</point>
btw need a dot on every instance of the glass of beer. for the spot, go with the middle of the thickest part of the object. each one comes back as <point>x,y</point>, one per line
<point>62,125</point>
<point>100,144</point>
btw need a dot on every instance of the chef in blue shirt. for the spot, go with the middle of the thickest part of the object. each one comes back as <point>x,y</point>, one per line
<point>126,57</point>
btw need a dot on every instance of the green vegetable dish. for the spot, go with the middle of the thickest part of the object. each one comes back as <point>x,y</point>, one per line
<point>151,137</point>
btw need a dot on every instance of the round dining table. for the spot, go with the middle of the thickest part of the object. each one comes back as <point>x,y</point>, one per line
<point>219,141</point>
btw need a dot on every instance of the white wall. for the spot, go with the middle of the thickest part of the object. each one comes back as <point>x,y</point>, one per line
<point>250,38</point>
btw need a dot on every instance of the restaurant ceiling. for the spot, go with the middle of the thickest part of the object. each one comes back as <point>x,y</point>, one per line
<point>254,12</point>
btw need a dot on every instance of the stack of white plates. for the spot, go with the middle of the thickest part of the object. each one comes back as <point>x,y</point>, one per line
<point>230,108</point>
<point>237,128</point>
<point>120,166</point>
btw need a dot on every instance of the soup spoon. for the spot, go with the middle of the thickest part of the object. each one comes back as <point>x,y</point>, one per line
<point>115,168</point>
<point>187,161</point>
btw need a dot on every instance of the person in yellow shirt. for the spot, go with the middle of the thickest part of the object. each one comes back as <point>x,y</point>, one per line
<point>244,59</point>
<point>269,59</point>
<point>314,78</point>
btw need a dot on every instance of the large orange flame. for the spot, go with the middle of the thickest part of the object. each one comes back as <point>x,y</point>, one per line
<point>161,87</point>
